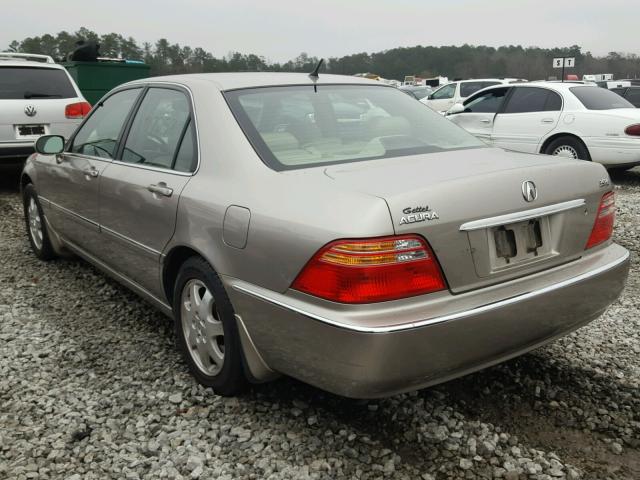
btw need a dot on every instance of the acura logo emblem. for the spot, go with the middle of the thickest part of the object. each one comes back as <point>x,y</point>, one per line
<point>30,110</point>
<point>529,191</point>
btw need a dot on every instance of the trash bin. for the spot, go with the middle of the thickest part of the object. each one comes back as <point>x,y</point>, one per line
<point>96,78</point>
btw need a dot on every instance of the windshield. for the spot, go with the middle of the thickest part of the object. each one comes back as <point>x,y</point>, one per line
<point>596,98</point>
<point>35,83</point>
<point>302,126</point>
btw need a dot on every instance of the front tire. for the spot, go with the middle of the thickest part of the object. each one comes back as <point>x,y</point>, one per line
<point>206,328</point>
<point>36,224</point>
<point>568,147</point>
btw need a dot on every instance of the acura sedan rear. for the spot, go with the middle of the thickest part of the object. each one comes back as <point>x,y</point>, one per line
<point>331,229</point>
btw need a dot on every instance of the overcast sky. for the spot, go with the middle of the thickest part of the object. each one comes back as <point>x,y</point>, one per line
<point>281,29</point>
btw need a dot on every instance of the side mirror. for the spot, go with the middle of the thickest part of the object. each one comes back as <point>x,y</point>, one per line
<point>457,108</point>
<point>430,97</point>
<point>50,144</point>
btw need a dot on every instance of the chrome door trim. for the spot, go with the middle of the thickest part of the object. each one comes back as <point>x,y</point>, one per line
<point>522,216</point>
<point>130,241</point>
<point>284,302</point>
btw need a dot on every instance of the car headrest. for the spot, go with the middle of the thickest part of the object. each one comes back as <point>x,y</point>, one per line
<point>279,141</point>
<point>386,126</point>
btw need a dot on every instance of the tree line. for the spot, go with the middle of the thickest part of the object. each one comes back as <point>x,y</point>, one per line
<point>466,61</point>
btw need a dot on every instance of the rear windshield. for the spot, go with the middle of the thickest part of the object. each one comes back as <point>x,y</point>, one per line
<point>302,126</point>
<point>40,83</point>
<point>596,98</point>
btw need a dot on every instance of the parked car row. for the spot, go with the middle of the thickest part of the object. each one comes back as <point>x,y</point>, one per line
<point>569,119</point>
<point>37,97</point>
<point>335,230</point>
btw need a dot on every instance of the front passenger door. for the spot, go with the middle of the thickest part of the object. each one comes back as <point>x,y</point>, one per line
<point>71,181</point>
<point>479,113</point>
<point>140,190</point>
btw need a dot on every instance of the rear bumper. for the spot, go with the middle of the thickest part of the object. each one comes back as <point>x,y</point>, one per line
<point>614,151</point>
<point>380,350</point>
<point>15,150</point>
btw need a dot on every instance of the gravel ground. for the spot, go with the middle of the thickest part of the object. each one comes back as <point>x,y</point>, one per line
<point>91,387</point>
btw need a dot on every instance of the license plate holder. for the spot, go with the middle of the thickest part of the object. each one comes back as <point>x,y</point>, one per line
<point>519,243</point>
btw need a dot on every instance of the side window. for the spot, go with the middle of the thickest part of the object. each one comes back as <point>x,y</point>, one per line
<point>487,102</point>
<point>186,157</point>
<point>99,135</point>
<point>157,128</point>
<point>469,88</point>
<point>527,99</point>
<point>448,91</point>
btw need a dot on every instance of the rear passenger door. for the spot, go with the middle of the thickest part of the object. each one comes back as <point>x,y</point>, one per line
<point>139,191</point>
<point>528,116</point>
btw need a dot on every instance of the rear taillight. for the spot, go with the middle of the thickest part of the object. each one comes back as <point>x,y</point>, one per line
<point>603,226</point>
<point>633,130</point>
<point>371,270</point>
<point>77,110</point>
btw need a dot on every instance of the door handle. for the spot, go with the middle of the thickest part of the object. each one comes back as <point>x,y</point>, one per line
<point>547,120</point>
<point>91,172</point>
<point>160,189</point>
<point>485,120</point>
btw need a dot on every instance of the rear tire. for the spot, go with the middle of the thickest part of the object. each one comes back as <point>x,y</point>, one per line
<point>36,224</point>
<point>206,328</point>
<point>569,147</point>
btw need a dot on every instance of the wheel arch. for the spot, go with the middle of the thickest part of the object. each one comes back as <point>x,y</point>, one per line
<point>171,266</point>
<point>555,136</point>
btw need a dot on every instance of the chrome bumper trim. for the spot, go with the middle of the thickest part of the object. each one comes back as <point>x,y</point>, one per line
<point>521,216</point>
<point>432,321</point>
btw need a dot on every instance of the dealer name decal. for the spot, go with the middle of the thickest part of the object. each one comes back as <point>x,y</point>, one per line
<point>418,214</point>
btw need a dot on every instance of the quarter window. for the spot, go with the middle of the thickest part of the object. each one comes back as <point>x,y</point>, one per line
<point>529,99</point>
<point>487,102</point>
<point>98,136</point>
<point>186,157</point>
<point>157,128</point>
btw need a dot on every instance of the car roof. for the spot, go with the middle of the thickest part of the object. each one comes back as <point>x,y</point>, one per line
<point>28,64</point>
<point>233,81</point>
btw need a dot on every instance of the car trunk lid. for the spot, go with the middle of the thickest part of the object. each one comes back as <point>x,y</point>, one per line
<point>470,205</point>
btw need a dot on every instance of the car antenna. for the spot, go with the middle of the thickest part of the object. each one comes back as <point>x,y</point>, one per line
<point>314,75</point>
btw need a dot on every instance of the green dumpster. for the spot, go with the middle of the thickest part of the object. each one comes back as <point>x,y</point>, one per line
<point>96,78</point>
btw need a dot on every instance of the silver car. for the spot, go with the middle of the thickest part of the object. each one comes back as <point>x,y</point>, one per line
<point>328,228</point>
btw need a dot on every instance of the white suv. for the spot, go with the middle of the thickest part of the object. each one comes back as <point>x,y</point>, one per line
<point>37,97</point>
<point>456,92</point>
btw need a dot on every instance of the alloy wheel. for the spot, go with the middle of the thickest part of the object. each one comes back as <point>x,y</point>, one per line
<point>35,224</point>
<point>202,328</point>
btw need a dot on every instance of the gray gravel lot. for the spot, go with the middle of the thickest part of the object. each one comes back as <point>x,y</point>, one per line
<point>91,387</point>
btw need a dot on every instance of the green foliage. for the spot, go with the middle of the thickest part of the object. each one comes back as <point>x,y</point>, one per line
<point>466,61</point>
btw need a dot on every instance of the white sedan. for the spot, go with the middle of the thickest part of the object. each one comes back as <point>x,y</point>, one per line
<point>574,120</point>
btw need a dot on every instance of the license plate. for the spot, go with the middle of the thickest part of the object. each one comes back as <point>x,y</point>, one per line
<point>30,131</point>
